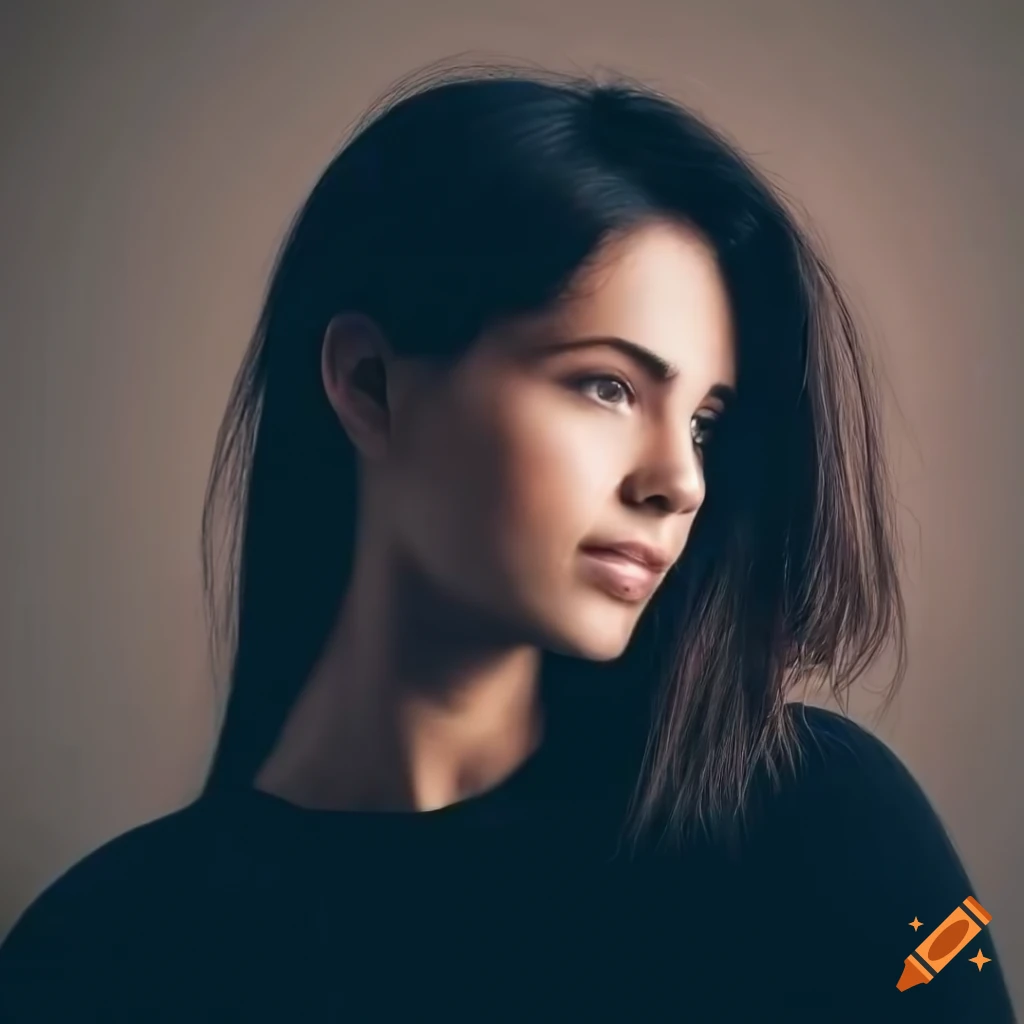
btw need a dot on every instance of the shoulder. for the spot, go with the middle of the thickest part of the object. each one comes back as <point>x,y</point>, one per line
<point>853,800</point>
<point>124,864</point>
<point>860,852</point>
<point>85,921</point>
<point>835,751</point>
<point>834,736</point>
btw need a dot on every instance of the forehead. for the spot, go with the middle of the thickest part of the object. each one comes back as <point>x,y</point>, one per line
<point>661,287</point>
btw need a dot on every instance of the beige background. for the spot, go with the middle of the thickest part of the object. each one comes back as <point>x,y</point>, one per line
<point>152,156</point>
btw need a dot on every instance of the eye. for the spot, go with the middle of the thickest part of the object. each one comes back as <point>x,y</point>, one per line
<point>702,430</point>
<point>619,386</point>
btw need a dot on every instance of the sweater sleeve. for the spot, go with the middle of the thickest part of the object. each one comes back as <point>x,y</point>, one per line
<point>874,876</point>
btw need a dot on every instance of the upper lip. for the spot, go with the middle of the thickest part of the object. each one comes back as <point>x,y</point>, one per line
<point>651,558</point>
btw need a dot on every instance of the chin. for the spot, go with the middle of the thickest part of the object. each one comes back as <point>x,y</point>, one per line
<point>600,632</point>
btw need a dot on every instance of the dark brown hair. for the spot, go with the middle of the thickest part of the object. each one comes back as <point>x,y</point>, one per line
<point>473,194</point>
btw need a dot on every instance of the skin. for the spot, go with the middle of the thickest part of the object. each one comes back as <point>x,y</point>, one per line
<point>478,485</point>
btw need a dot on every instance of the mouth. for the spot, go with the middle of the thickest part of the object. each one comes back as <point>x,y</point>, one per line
<point>619,576</point>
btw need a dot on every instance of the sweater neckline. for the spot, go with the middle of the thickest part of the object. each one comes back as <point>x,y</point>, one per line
<point>516,789</point>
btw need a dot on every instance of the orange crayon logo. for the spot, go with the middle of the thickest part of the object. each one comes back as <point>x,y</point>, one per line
<point>943,944</point>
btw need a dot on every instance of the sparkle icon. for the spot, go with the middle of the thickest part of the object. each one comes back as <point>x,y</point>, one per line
<point>980,959</point>
<point>915,924</point>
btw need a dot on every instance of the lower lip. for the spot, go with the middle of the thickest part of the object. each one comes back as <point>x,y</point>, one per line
<point>619,576</point>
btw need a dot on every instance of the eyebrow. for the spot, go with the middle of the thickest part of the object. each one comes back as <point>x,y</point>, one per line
<point>656,367</point>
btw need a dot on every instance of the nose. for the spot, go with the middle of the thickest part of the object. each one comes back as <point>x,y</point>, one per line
<point>670,477</point>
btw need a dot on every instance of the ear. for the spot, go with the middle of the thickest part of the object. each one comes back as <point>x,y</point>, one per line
<point>354,359</point>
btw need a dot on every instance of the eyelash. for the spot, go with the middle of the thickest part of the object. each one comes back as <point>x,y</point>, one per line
<point>580,382</point>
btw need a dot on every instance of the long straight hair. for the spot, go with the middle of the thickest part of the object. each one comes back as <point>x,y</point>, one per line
<point>472,194</point>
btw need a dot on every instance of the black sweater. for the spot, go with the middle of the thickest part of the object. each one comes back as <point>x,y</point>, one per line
<point>515,905</point>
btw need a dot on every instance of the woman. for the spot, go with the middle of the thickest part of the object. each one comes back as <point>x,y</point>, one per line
<point>553,467</point>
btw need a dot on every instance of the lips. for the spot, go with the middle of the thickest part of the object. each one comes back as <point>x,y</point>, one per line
<point>643,554</point>
<point>618,575</point>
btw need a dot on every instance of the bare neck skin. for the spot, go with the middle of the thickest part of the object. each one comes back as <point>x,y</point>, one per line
<point>407,709</point>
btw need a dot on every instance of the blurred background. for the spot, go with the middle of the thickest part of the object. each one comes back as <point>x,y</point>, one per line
<point>152,156</point>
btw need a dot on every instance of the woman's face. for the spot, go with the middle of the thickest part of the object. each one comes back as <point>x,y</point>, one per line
<point>498,472</point>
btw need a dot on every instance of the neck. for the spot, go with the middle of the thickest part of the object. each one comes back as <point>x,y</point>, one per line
<point>409,708</point>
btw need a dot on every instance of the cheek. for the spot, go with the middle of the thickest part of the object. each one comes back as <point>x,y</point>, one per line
<point>555,480</point>
<point>444,497</point>
<point>458,503</point>
<point>500,492</point>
